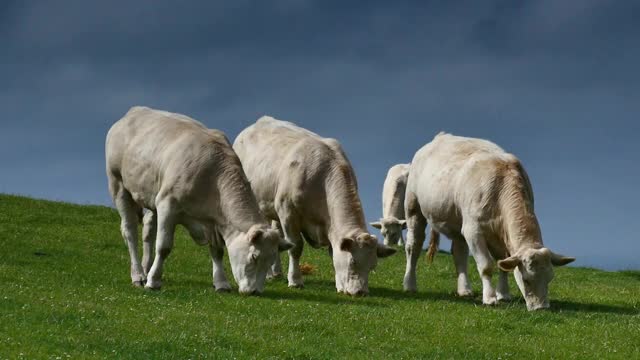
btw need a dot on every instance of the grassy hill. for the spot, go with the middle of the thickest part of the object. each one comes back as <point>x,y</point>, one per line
<point>65,292</point>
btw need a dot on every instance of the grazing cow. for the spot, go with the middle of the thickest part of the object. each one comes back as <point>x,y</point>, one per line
<point>186,174</point>
<point>393,222</point>
<point>306,184</point>
<point>480,197</point>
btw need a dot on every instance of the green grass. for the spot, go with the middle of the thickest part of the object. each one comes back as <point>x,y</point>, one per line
<point>65,292</point>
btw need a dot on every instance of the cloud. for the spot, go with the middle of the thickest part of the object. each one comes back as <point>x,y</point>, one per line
<point>553,82</point>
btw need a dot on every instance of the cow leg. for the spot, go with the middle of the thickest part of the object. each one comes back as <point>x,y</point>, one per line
<point>416,224</point>
<point>149,230</point>
<point>275,271</point>
<point>484,261</point>
<point>294,275</point>
<point>292,234</point>
<point>503,287</point>
<point>401,240</point>
<point>164,244</point>
<point>128,210</point>
<point>220,282</point>
<point>460,252</point>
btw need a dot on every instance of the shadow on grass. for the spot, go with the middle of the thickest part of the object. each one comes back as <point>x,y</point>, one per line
<point>329,295</point>
<point>397,294</point>
<point>564,305</point>
<point>632,274</point>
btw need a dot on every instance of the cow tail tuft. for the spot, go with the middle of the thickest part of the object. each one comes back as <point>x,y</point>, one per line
<point>434,242</point>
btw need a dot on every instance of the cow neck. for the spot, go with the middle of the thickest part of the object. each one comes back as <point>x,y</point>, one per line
<point>343,203</point>
<point>238,206</point>
<point>519,223</point>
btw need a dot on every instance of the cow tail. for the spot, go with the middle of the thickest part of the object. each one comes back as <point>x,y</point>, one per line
<point>434,242</point>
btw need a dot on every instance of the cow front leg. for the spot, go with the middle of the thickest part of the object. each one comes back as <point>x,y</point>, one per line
<point>502,292</point>
<point>128,211</point>
<point>484,261</point>
<point>275,271</point>
<point>416,224</point>
<point>149,230</point>
<point>220,282</point>
<point>164,245</point>
<point>294,275</point>
<point>460,252</point>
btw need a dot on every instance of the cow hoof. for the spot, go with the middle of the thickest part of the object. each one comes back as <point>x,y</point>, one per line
<point>149,288</point>
<point>151,285</point>
<point>223,290</point>
<point>490,302</point>
<point>504,297</point>
<point>465,293</point>
<point>138,284</point>
<point>274,276</point>
<point>296,286</point>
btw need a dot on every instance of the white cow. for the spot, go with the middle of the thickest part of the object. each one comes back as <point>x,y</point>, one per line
<point>480,197</point>
<point>393,222</point>
<point>186,174</point>
<point>306,183</point>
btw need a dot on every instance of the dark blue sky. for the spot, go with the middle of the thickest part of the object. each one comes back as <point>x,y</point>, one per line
<point>555,82</point>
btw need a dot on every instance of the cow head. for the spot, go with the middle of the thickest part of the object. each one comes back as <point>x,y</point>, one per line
<point>353,259</point>
<point>533,270</point>
<point>251,254</point>
<point>391,228</point>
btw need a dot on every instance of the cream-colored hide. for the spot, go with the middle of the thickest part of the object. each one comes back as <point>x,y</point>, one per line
<point>480,197</point>
<point>184,173</point>
<point>392,222</point>
<point>306,184</point>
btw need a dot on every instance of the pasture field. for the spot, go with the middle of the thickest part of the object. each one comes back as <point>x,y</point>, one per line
<point>65,292</point>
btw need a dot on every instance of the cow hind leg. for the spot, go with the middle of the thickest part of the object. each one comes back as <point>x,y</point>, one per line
<point>149,230</point>
<point>164,243</point>
<point>460,252</point>
<point>484,261</point>
<point>416,224</point>
<point>129,210</point>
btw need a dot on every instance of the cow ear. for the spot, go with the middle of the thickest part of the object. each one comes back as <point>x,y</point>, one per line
<point>376,224</point>
<point>383,251</point>
<point>255,235</point>
<point>403,223</point>
<point>509,264</point>
<point>284,245</point>
<point>561,260</point>
<point>347,244</point>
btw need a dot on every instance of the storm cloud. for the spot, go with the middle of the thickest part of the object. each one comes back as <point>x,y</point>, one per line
<point>554,82</point>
